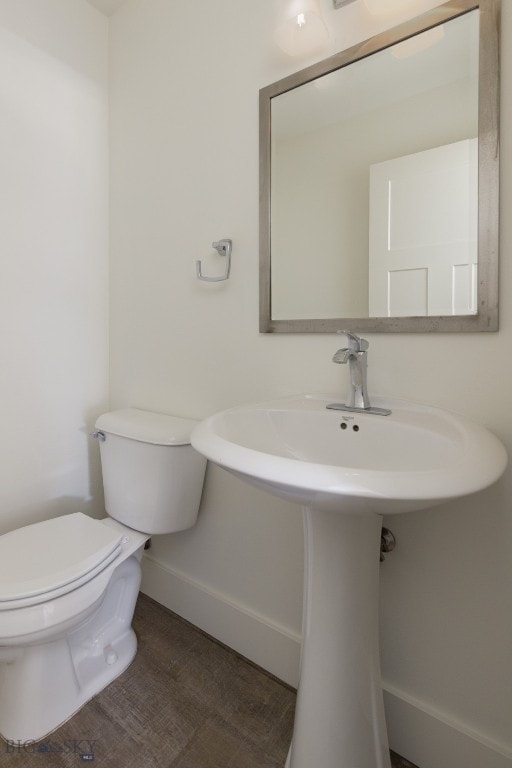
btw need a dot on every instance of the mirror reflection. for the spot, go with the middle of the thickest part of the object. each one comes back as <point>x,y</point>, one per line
<point>374,184</point>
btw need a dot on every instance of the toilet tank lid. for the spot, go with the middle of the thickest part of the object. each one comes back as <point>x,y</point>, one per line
<point>146,426</point>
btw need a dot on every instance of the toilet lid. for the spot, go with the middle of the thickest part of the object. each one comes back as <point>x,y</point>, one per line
<point>52,555</point>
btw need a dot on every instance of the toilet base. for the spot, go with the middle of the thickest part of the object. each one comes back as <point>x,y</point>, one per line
<point>43,685</point>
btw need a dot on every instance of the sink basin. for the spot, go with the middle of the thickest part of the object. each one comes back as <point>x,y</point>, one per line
<point>415,458</point>
<point>347,470</point>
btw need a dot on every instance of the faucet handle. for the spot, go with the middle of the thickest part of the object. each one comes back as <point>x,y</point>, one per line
<point>355,342</point>
<point>342,355</point>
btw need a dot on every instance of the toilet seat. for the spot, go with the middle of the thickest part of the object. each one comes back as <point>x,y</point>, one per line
<point>45,560</point>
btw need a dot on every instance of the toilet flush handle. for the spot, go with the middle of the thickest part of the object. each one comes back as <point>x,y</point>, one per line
<point>101,436</point>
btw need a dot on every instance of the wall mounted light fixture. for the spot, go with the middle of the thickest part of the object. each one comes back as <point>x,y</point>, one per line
<point>301,29</point>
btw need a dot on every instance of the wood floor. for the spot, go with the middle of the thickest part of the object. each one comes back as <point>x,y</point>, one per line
<point>185,702</point>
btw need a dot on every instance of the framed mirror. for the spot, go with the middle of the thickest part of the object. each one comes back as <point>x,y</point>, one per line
<point>379,182</point>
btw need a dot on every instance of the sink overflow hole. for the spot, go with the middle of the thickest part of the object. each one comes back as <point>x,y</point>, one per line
<point>344,425</point>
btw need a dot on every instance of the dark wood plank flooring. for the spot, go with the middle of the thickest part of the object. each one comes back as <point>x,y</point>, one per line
<point>185,702</point>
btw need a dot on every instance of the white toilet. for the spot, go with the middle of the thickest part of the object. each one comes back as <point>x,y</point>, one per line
<point>68,585</point>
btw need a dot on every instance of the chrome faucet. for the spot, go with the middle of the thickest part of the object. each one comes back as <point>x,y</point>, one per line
<point>356,357</point>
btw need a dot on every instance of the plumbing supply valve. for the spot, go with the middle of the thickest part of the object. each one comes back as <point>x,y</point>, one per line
<point>387,542</point>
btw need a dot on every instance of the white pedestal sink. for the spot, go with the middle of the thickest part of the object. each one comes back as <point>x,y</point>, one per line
<point>346,470</point>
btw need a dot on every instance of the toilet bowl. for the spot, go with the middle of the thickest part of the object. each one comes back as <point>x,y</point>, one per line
<point>68,586</point>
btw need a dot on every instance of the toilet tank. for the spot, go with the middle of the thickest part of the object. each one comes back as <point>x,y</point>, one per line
<point>152,477</point>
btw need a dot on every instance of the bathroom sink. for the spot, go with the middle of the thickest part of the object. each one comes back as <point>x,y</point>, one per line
<point>362,465</point>
<point>417,457</point>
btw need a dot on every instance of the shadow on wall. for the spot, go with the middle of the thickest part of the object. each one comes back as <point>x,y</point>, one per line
<point>95,500</point>
<point>92,501</point>
<point>63,505</point>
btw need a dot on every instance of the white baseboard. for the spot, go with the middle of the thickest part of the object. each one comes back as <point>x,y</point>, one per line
<point>268,644</point>
<point>431,739</point>
<point>422,734</point>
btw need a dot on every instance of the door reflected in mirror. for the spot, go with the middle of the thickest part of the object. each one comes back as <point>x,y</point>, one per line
<point>378,175</point>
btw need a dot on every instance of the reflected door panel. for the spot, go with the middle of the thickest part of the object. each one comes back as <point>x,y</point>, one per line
<point>423,258</point>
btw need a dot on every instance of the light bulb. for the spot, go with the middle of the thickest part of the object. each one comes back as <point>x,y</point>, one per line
<point>302,29</point>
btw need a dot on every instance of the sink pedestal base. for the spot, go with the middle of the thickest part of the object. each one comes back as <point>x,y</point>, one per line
<point>339,719</point>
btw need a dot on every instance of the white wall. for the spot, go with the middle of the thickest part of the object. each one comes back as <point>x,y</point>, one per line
<point>54,255</point>
<point>184,123</point>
